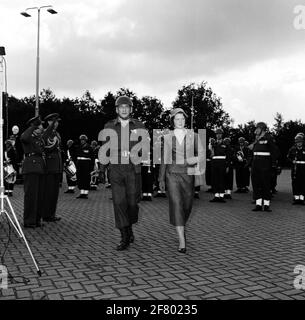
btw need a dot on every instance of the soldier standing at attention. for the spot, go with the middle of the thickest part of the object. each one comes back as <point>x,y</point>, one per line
<point>84,166</point>
<point>69,156</point>
<point>219,164</point>
<point>264,153</point>
<point>242,170</point>
<point>33,170</point>
<point>54,169</point>
<point>124,174</point>
<point>229,176</point>
<point>296,156</point>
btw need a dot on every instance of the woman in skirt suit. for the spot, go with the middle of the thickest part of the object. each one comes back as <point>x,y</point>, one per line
<point>181,153</point>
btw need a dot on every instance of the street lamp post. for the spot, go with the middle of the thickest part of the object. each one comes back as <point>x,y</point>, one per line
<point>25,14</point>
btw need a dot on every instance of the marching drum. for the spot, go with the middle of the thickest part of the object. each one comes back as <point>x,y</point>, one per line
<point>9,173</point>
<point>70,170</point>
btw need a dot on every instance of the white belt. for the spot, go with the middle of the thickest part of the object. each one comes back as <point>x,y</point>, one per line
<point>262,153</point>
<point>219,157</point>
<point>299,162</point>
<point>83,158</point>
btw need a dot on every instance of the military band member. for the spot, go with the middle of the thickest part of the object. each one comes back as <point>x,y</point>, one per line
<point>264,155</point>
<point>242,170</point>
<point>229,175</point>
<point>124,173</point>
<point>296,155</point>
<point>84,166</point>
<point>10,159</point>
<point>219,165</point>
<point>208,174</point>
<point>54,169</point>
<point>33,170</point>
<point>94,174</point>
<point>70,156</point>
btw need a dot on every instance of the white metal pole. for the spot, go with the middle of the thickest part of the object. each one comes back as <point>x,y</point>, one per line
<point>37,65</point>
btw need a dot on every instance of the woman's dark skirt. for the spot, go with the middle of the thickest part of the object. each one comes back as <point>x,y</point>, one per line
<point>180,188</point>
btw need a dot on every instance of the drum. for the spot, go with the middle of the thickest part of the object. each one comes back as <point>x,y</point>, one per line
<point>70,170</point>
<point>9,173</point>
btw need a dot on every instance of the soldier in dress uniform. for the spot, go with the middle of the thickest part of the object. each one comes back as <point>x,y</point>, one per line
<point>54,169</point>
<point>10,157</point>
<point>296,156</point>
<point>94,174</point>
<point>69,156</point>
<point>124,173</point>
<point>276,170</point>
<point>208,174</point>
<point>219,165</point>
<point>229,176</point>
<point>84,166</point>
<point>263,159</point>
<point>34,169</point>
<point>242,170</point>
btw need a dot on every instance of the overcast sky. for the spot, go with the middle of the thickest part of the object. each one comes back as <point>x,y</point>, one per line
<point>247,50</point>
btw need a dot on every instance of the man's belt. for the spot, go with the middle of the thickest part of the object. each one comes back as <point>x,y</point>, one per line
<point>299,162</point>
<point>33,154</point>
<point>83,158</point>
<point>264,154</point>
<point>219,157</point>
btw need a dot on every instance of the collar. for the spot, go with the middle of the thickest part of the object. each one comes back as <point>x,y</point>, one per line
<point>117,121</point>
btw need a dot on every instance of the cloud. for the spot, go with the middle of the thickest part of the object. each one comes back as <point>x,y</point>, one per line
<point>155,46</point>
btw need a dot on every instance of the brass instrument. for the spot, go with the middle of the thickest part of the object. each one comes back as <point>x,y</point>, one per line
<point>95,173</point>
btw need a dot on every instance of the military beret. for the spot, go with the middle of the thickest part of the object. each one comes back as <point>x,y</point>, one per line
<point>175,111</point>
<point>35,121</point>
<point>219,130</point>
<point>123,100</point>
<point>261,125</point>
<point>52,116</point>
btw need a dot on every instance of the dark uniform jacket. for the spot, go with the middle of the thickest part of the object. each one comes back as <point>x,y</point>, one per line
<point>221,150</point>
<point>33,147</point>
<point>53,153</point>
<point>244,153</point>
<point>263,146</point>
<point>118,151</point>
<point>296,157</point>
<point>85,151</point>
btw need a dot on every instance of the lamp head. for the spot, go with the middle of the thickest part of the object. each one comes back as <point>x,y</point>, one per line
<point>25,14</point>
<point>52,11</point>
<point>2,51</point>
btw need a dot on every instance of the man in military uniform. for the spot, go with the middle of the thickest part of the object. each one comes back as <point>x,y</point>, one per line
<point>242,170</point>
<point>54,169</point>
<point>208,174</point>
<point>263,160</point>
<point>33,170</point>
<point>147,178</point>
<point>296,156</point>
<point>229,175</point>
<point>94,174</point>
<point>84,166</point>
<point>124,172</point>
<point>69,156</point>
<point>219,165</point>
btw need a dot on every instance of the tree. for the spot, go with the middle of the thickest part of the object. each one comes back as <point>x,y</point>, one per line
<point>208,109</point>
<point>279,122</point>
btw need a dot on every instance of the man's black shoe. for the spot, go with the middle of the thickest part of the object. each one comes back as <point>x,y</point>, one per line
<point>122,246</point>
<point>222,200</point>
<point>258,208</point>
<point>267,209</point>
<point>216,199</point>
<point>29,226</point>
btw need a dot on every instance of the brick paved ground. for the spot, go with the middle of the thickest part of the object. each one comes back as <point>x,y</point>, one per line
<point>233,253</point>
